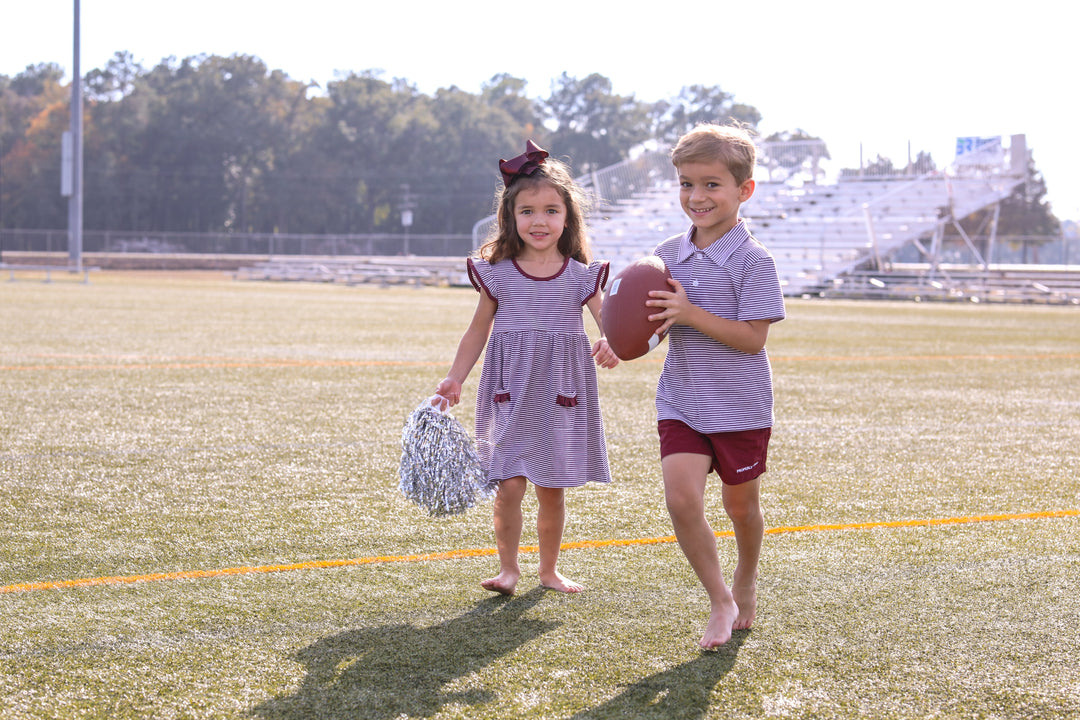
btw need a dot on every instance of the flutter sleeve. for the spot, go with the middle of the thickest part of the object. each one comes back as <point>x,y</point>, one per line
<point>482,277</point>
<point>598,277</point>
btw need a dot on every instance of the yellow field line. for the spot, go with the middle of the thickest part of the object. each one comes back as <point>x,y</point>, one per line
<point>481,552</point>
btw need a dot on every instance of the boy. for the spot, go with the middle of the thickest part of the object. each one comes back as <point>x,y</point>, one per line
<point>714,398</point>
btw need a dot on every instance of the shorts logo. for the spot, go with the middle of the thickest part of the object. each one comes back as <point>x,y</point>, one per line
<point>748,467</point>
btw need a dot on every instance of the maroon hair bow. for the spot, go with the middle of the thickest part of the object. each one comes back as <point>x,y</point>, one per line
<point>524,164</point>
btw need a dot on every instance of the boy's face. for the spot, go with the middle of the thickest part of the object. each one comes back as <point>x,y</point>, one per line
<point>711,197</point>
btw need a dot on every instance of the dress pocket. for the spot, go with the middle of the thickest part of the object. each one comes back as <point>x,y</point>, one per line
<point>566,411</point>
<point>568,432</point>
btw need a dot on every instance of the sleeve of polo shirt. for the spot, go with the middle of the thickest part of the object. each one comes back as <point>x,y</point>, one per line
<point>760,297</point>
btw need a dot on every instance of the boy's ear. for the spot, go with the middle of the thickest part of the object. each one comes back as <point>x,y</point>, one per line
<point>746,190</point>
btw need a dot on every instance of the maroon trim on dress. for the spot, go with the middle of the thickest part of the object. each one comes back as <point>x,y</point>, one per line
<point>501,397</point>
<point>566,401</point>
<point>475,279</point>
<point>601,280</point>
<point>566,263</point>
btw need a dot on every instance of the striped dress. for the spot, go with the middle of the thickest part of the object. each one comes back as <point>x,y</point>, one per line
<point>707,385</point>
<point>537,410</point>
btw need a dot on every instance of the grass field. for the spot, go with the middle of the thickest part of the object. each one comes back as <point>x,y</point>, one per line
<point>922,501</point>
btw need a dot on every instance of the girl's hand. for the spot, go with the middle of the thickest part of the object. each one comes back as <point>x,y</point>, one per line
<point>605,356</point>
<point>451,390</point>
<point>676,306</point>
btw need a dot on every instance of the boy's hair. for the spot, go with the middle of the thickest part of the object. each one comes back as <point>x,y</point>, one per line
<point>729,144</point>
<point>504,241</point>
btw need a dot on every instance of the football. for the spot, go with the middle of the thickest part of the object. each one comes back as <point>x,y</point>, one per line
<point>624,313</point>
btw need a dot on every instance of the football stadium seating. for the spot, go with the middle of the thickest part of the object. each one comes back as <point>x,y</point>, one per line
<point>837,238</point>
<point>817,231</point>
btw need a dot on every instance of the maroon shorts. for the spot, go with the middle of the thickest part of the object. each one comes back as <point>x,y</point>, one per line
<point>737,457</point>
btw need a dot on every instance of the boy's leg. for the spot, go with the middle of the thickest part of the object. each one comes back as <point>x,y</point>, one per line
<point>507,535</point>
<point>742,504</point>
<point>550,519</point>
<point>684,490</point>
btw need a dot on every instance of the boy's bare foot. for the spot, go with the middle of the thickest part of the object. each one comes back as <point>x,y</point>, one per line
<point>744,592</point>
<point>721,622</point>
<point>504,583</point>
<point>560,583</point>
<point>745,597</point>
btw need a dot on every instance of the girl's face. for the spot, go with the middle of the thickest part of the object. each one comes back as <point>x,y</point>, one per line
<point>540,216</point>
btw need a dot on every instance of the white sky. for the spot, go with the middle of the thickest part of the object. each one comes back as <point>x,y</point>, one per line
<point>849,71</point>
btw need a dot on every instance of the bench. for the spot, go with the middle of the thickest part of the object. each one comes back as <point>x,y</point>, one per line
<point>48,270</point>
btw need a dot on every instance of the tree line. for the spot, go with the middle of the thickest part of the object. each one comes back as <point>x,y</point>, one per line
<point>224,144</point>
<point>213,144</point>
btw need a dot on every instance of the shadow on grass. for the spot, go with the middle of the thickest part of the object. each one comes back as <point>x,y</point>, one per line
<point>385,672</point>
<point>682,692</point>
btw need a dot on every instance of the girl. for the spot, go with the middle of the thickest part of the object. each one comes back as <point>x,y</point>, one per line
<point>537,412</point>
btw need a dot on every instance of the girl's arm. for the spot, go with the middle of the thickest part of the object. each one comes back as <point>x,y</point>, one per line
<point>605,356</point>
<point>747,336</point>
<point>469,349</point>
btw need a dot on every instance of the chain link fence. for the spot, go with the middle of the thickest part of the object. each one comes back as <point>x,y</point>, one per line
<point>262,244</point>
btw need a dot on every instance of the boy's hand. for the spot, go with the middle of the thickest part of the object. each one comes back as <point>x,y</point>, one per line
<point>676,306</point>
<point>605,356</point>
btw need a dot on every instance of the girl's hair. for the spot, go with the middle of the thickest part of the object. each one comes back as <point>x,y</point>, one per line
<point>504,241</point>
<point>730,144</point>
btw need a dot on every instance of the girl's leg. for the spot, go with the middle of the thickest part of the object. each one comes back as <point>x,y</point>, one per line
<point>507,535</point>
<point>742,504</point>
<point>550,519</point>
<point>684,490</point>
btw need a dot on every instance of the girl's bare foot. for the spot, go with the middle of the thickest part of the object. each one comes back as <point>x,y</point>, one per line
<point>557,582</point>
<point>745,597</point>
<point>721,620</point>
<point>504,583</point>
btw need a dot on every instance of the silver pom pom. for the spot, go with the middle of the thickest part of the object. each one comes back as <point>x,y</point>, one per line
<point>440,469</point>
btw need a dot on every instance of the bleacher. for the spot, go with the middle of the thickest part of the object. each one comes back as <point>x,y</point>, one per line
<point>816,231</point>
<point>1043,284</point>
<point>379,270</point>
<point>830,238</point>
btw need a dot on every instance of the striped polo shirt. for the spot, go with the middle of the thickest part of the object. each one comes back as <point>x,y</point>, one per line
<point>708,385</point>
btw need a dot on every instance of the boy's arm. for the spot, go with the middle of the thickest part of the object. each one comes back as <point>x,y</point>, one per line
<point>747,336</point>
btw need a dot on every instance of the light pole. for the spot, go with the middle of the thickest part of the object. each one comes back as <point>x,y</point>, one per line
<point>75,201</point>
